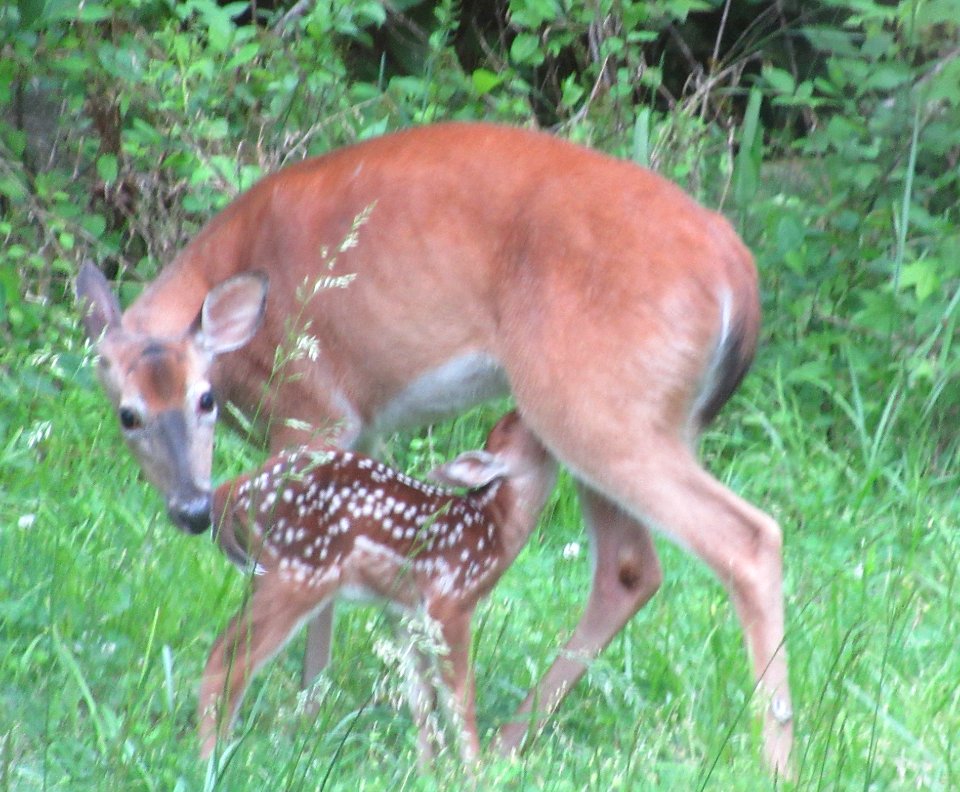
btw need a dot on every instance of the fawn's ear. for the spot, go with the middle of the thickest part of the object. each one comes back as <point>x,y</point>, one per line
<point>473,469</point>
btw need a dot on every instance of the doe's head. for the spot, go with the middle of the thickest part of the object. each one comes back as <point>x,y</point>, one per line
<point>160,386</point>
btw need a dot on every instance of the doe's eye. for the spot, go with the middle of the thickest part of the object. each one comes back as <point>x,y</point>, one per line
<point>129,418</point>
<point>206,403</point>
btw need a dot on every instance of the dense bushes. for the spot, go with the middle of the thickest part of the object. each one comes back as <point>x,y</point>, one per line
<point>829,129</point>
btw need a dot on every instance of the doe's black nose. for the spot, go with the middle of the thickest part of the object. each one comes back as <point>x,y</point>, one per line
<point>192,515</point>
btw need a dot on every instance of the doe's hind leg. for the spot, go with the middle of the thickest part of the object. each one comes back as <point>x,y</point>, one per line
<point>626,575</point>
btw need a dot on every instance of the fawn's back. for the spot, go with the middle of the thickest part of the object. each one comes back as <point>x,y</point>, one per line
<point>318,518</point>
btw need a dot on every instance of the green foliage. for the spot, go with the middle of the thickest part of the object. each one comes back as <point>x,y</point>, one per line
<point>108,613</point>
<point>828,131</point>
<point>857,231</point>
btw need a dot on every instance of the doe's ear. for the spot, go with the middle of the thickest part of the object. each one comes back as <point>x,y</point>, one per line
<point>99,306</point>
<point>472,469</point>
<point>233,311</point>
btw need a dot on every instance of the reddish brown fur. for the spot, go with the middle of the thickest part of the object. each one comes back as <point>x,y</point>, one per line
<point>314,522</point>
<point>407,519</point>
<point>510,238</point>
<point>161,370</point>
<point>619,312</point>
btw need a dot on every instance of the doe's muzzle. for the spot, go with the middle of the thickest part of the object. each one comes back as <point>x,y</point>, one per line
<point>191,515</point>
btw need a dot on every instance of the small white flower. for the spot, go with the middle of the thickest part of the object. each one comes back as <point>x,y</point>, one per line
<point>39,433</point>
<point>571,550</point>
<point>308,346</point>
<point>26,521</point>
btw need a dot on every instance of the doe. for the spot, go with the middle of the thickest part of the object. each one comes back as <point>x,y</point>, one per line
<point>315,522</point>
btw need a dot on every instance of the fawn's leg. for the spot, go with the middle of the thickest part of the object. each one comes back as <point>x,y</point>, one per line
<point>457,672</point>
<point>263,626</point>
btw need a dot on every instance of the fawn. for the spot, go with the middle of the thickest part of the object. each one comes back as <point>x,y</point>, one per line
<point>315,522</point>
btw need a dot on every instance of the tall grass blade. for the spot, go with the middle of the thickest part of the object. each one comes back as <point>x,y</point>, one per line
<point>69,662</point>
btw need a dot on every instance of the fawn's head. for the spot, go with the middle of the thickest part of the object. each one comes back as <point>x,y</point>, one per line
<point>160,387</point>
<point>512,453</point>
<point>511,450</point>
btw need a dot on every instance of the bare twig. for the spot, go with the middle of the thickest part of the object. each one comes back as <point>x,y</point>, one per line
<point>714,58</point>
<point>296,11</point>
<point>582,112</point>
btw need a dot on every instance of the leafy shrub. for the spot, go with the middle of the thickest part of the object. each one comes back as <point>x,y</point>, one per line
<point>859,232</point>
<point>829,128</point>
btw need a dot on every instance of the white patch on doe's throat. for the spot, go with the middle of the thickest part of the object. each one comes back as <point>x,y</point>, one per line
<point>446,390</point>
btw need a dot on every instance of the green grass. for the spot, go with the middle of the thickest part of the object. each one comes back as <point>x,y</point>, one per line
<point>107,614</point>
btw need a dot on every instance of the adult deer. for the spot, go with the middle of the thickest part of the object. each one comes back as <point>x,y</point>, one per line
<point>315,524</point>
<point>620,314</point>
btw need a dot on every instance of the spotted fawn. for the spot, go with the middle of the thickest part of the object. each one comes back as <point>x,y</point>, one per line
<point>313,523</point>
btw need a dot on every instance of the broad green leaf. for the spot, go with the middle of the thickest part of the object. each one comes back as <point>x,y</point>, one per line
<point>888,76</point>
<point>107,168</point>
<point>94,224</point>
<point>923,276</point>
<point>10,284</point>
<point>220,27</point>
<point>215,129</point>
<point>525,50</point>
<point>244,55</point>
<point>945,85</point>
<point>533,13</point>
<point>93,12</point>
<point>831,39</point>
<point>30,11</point>
<point>12,187</point>
<point>485,81</point>
<point>790,234</point>
<point>938,12</point>
<point>780,80</point>
<point>573,91</point>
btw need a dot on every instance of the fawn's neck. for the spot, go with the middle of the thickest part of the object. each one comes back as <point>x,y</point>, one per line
<point>514,507</point>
